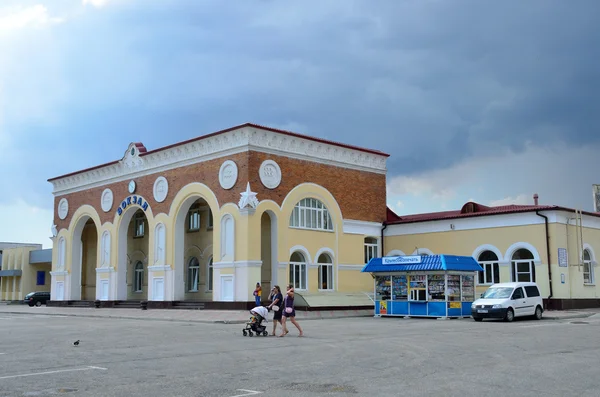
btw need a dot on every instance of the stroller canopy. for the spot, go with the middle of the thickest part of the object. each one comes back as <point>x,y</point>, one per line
<point>261,311</point>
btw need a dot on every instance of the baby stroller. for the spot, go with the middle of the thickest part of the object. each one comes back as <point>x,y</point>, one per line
<point>259,314</point>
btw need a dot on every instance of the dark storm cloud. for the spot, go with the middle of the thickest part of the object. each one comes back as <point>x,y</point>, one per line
<point>431,82</point>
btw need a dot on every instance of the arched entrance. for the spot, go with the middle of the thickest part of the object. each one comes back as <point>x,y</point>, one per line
<point>193,250</point>
<point>84,254</point>
<point>133,246</point>
<point>268,252</point>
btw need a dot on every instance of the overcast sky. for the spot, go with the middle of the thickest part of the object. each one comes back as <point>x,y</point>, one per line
<point>490,101</point>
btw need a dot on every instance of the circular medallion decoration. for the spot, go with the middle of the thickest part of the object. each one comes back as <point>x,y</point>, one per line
<point>63,208</point>
<point>228,174</point>
<point>160,189</point>
<point>106,201</point>
<point>270,174</point>
<point>131,186</point>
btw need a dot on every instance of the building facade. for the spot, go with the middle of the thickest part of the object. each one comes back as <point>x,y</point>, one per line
<point>554,246</point>
<point>206,219</point>
<point>24,268</point>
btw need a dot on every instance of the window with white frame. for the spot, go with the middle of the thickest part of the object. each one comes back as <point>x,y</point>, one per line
<point>491,269</point>
<point>139,225</point>
<point>138,277</point>
<point>311,213</point>
<point>325,272</point>
<point>298,271</point>
<point>194,219</point>
<point>209,277</point>
<point>193,278</point>
<point>522,266</point>
<point>209,224</point>
<point>371,250</point>
<point>588,268</point>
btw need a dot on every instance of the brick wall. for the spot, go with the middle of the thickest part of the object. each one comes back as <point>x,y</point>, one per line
<point>361,195</point>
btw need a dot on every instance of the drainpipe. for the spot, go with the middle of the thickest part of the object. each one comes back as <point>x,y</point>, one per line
<point>382,229</point>
<point>547,253</point>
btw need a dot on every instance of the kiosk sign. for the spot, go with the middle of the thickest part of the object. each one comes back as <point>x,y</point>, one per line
<point>401,260</point>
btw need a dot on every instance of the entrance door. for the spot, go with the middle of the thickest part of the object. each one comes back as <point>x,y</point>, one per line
<point>103,290</point>
<point>60,290</point>
<point>158,289</point>
<point>227,288</point>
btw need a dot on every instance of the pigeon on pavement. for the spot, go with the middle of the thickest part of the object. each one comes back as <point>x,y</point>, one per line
<point>76,343</point>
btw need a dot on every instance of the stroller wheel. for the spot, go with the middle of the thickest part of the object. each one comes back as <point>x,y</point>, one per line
<point>244,333</point>
<point>265,333</point>
<point>250,333</point>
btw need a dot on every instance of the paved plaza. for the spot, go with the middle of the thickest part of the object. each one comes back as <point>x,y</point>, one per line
<point>360,356</point>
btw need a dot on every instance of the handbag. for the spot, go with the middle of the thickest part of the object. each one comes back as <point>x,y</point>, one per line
<point>275,308</point>
<point>289,309</point>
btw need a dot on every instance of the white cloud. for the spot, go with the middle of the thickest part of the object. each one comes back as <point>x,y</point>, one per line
<point>95,3</point>
<point>17,18</point>
<point>561,176</point>
<point>521,199</point>
<point>28,224</point>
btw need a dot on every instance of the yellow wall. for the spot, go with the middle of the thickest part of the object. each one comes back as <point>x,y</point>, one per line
<point>16,287</point>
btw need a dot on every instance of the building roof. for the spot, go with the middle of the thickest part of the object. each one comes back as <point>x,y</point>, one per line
<point>472,209</point>
<point>144,152</point>
<point>414,263</point>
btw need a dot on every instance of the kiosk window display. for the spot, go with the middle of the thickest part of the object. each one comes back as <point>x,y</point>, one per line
<point>424,286</point>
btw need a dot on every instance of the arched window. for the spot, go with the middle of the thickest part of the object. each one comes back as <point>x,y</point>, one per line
<point>522,266</point>
<point>491,270</point>
<point>325,272</point>
<point>588,267</point>
<point>193,274</point>
<point>370,249</point>
<point>105,248</point>
<point>298,270</point>
<point>138,282</point>
<point>209,280</point>
<point>311,213</point>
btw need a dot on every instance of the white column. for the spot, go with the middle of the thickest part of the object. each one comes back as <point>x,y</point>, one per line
<point>106,286</point>
<point>160,283</point>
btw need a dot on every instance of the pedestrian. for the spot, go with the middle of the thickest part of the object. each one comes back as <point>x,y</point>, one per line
<point>257,294</point>
<point>276,298</point>
<point>289,312</point>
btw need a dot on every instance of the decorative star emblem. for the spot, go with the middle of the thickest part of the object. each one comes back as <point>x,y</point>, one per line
<point>248,198</point>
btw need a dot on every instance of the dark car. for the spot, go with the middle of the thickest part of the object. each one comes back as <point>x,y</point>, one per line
<point>37,298</point>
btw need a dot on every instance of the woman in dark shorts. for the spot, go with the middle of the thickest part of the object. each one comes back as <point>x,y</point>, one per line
<point>289,311</point>
<point>276,300</point>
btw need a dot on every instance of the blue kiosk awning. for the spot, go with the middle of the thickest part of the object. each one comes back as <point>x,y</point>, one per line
<point>420,263</point>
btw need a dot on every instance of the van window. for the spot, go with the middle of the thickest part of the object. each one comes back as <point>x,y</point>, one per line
<point>518,294</point>
<point>532,291</point>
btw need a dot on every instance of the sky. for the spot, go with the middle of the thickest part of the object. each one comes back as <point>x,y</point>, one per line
<point>474,100</point>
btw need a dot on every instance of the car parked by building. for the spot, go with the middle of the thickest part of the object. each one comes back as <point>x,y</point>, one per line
<point>509,300</point>
<point>36,298</point>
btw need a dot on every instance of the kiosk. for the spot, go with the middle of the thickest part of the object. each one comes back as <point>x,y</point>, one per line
<point>424,285</point>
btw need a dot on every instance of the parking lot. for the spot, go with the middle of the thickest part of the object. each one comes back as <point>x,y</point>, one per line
<point>337,357</point>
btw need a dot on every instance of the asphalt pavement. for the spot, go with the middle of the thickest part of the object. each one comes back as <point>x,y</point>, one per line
<point>338,357</point>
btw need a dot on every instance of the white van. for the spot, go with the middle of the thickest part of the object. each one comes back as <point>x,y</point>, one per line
<point>507,301</point>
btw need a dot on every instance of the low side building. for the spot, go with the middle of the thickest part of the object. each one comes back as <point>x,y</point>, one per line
<point>552,245</point>
<point>25,268</point>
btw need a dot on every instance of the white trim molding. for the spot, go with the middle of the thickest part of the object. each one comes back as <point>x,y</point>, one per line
<point>242,139</point>
<point>324,250</point>
<point>421,251</point>
<point>395,253</point>
<point>488,247</point>
<point>370,229</point>
<point>59,273</point>
<point>301,248</point>
<point>350,267</point>
<point>159,268</point>
<point>105,270</point>
<point>588,247</point>
<point>236,264</point>
<point>516,246</point>
<point>283,265</point>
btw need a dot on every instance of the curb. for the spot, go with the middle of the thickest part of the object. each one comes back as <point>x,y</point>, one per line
<point>168,319</point>
<point>568,316</point>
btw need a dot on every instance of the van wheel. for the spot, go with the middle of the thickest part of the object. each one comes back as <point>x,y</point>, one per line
<point>510,315</point>
<point>38,303</point>
<point>538,313</point>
